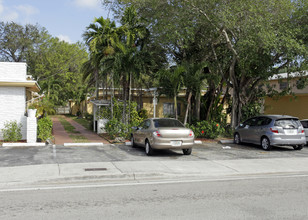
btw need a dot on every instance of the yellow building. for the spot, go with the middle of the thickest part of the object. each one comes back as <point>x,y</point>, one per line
<point>295,105</point>
<point>146,98</point>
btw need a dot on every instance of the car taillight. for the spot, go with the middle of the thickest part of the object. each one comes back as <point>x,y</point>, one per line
<point>303,131</point>
<point>191,134</point>
<point>156,133</point>
<point>274,130</point>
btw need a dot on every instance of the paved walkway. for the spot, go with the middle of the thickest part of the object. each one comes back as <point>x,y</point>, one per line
<point>61,136</point>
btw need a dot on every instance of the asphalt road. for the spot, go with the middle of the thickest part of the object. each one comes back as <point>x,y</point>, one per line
<point>17,156</point>
<point>261,197</point>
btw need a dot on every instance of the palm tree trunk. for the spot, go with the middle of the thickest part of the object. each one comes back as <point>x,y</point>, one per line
<point>187,107</point>
<point>175,107</point>
<point>129,94</point>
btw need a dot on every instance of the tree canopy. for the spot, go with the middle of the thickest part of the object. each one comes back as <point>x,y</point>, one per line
<point>244,42</point>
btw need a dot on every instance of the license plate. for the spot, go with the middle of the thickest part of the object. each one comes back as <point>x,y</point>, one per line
<point>290,131</point>
<point>176,143</point>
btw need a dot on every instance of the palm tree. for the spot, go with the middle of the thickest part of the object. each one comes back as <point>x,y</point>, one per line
<point>171,81</point>
<point>99,37</point>
<point>193,81</point>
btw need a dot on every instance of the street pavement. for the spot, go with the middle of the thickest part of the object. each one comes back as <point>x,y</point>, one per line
<point>56,164</point>
<point>67,162</point>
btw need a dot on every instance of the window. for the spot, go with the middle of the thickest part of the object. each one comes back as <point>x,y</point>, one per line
<point>305,124</point>
<point>147,124</point>
<point>263,121</point>
<point>168,109</point>
<point>250,122</point>
<point>166,122</point>
<point>283,85</point>
<point>287,123</point>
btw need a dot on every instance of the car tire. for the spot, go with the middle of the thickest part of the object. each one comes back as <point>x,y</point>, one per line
<point>132,141</point>
<point>237,138</point>
<point>298,147</point>
<point>187,151</point>
<point>148,149</point>
<point>265,143</point>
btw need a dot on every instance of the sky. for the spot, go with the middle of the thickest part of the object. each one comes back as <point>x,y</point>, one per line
<point>65,19</point>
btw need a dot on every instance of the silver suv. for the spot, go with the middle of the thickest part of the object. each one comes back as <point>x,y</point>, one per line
<point>305,125</point>
<point>271,130</point>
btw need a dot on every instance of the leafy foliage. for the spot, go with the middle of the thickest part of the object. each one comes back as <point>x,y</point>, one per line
<point>11,131</point>
<point>115,126</point>
<point>44,128</point>
<point>207,129</point>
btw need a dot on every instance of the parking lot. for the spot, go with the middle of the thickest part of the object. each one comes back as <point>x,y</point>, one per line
<point>18,156</point>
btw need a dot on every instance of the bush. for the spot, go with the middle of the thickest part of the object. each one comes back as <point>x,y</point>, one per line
<point>143,113</point>
<point>11,131</point>
<point>207,129</point>
<point>115,127</point>
<point>44,126</point>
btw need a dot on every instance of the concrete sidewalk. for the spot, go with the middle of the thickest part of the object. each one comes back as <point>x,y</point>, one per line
<point>145,170</point>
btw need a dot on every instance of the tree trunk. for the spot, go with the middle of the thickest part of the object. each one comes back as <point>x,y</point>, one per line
<point>129,94</point>
<point>175,107</point>
<point>197,106</point>
<point>187,107</point>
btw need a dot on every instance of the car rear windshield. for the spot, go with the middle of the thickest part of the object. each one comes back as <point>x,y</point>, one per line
<point>160,123</point>
<point>287,123</point>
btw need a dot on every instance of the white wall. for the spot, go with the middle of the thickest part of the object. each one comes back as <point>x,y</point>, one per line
<point>12,107</point>
<point>13,70</point>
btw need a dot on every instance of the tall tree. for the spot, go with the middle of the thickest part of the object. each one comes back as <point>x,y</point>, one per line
<point>171,81</point>
<point>56,67</point>
<point>17,41</point>
<point>99,37</point>
<point>254,39</point>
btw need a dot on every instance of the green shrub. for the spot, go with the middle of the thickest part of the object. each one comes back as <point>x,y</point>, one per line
<point>11,131</point>
<point>115,127</point>
<point>207,129</point>
<point>143,113</point>
<point>44,126</point>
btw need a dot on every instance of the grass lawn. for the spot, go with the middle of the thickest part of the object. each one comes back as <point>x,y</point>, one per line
<point>67,126</point>
<point>84,122</point>
<point>78,138</point>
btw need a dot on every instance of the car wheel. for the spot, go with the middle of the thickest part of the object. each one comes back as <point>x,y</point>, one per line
<point>187,151</point>
<point>237,138</point>
<point>132,141</point>
<point>148,149</point>
<point>298,147</point>
<point>265,143</point>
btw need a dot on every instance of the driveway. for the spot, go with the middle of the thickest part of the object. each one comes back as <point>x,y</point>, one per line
<point>51,154</point>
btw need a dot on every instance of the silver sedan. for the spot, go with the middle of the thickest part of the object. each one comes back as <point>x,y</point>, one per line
<point>163,133</point>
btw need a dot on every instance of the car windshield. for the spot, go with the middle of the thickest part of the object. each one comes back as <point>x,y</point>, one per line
<point>287,123</point>
<point>160,123</point>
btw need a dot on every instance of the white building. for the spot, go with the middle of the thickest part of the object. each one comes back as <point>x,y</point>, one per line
<point>16,88</point>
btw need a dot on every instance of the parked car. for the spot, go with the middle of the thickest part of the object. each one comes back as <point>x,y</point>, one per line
<point>271,130</point>
<point>304,122</point>
<point>163,133</point>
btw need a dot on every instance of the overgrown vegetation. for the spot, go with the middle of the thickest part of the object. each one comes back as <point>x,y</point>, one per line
<point>116,126</point>
<point>44,128</point>
<point>11,131</point>
<point>67,126</point>
<point>207,129</point>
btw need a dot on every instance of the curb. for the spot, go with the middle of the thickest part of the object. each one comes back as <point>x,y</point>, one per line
<point>23,144</point>
<point>226,142</point>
